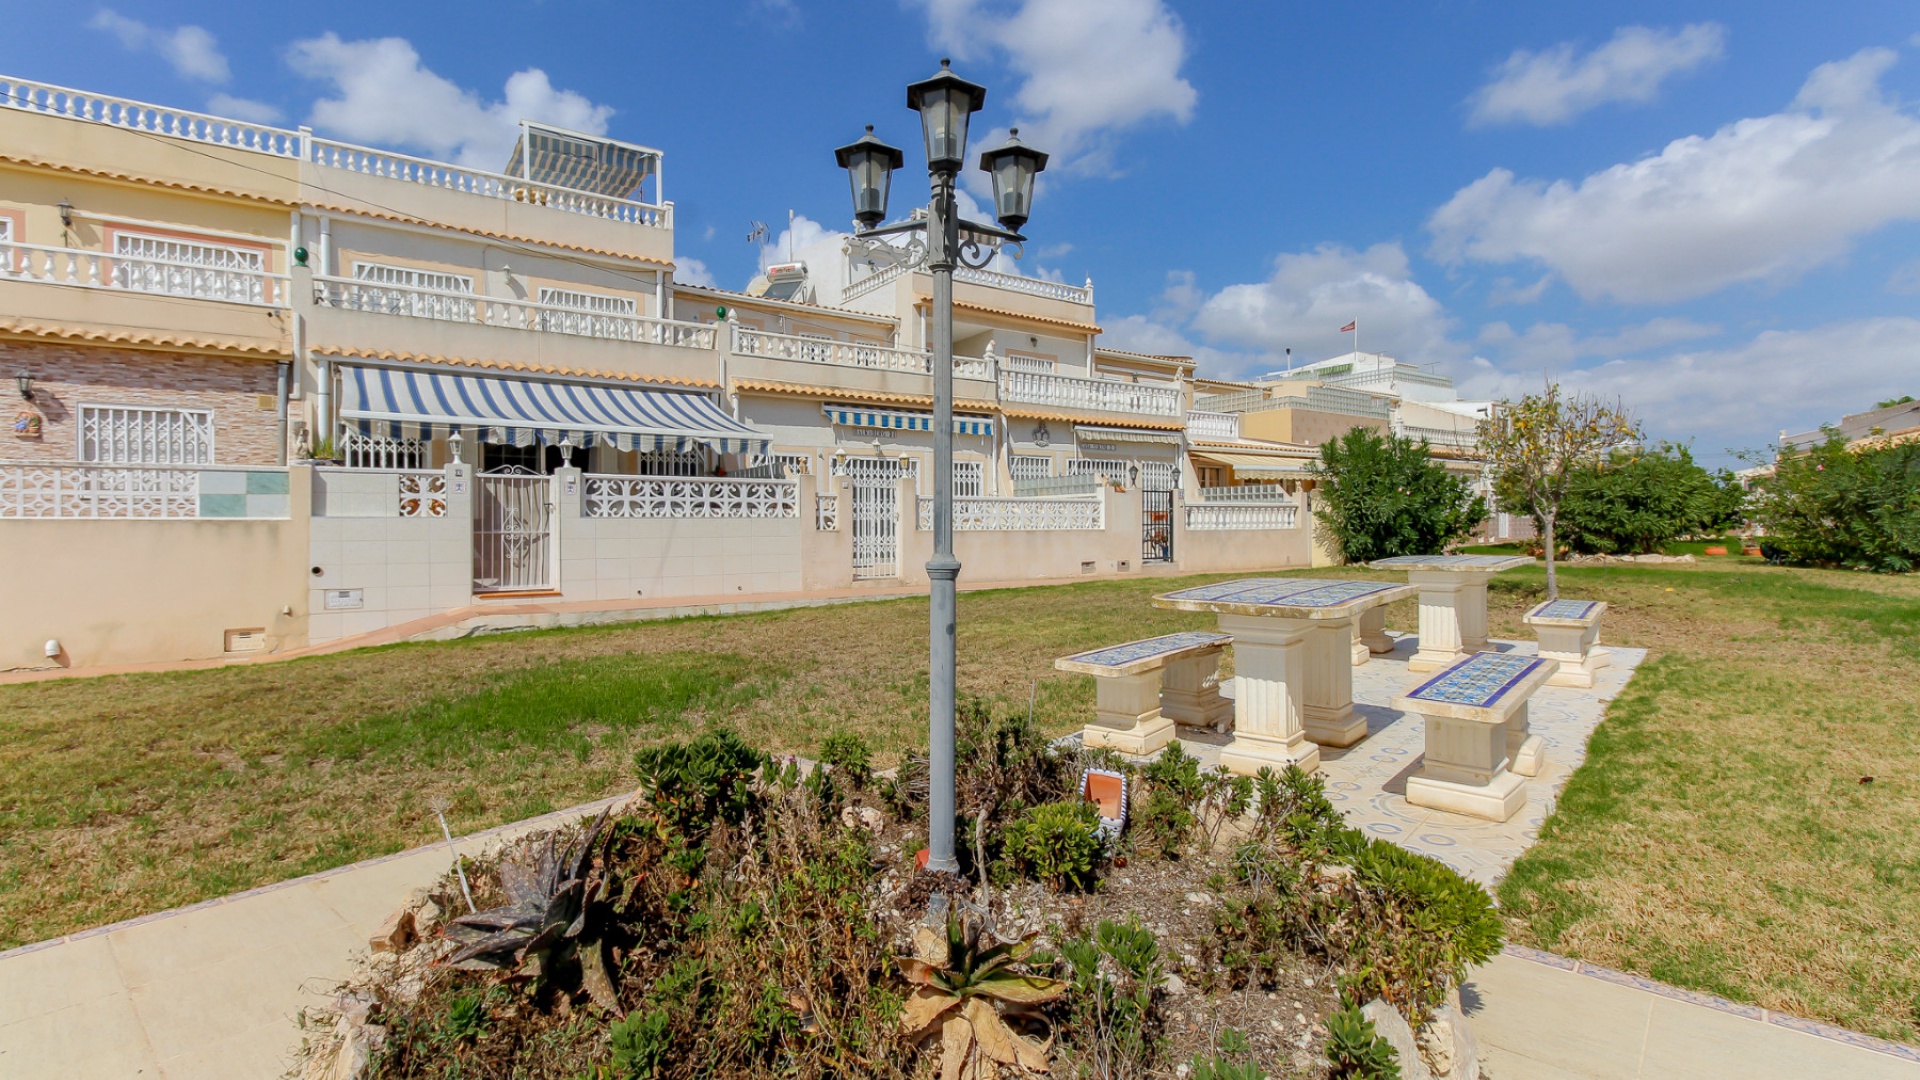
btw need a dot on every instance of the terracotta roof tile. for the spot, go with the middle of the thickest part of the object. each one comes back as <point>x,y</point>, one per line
<point>140,337</point>
<point>1106,419</point>
<point>835,394</point>
<point>507,365</point>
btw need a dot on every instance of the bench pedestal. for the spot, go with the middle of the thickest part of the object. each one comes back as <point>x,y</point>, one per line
<point>1569,632</point>
<point>1370,635</point>
<point>1326,713</point>
<point>1270,661</point>
<point>1445,624</point>
<point>1526,752</point>
<point>1126,715</point>
<point>1466,770</point>
<point>1190,693</point>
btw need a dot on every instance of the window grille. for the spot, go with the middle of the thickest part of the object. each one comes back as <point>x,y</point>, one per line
<point>1015,361</point>
<point>138,435</point>
<point>1031,466</point>
<point>6,229</point>
<point>365,452</point>
<point>598,303</point>
<point>413,292</point>
<point>819,354</point>
<point>792,464</point>
<point>671,463</point>
<point>1111,468</point>
<point>969,479</point>
<point>188,268</point>
<point>1156,476</point>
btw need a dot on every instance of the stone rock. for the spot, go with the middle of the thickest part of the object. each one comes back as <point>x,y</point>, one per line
<point>863,817</point>
<point>1391,1026</point>
<point>427,913</point>
<point>1436,1045</point>
<point>1199,899</point>
<point>1174,985</point>
<point>395,933</point>
<point>1448,1045</point>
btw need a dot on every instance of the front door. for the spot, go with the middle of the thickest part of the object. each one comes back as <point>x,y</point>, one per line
<point>1156,526</point>
<point>512,531</point>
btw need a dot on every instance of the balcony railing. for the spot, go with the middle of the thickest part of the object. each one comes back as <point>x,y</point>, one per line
<point>302,145</point>
<point>1448,437</point>
<point>689,497</point>
<point>857,354</point>
<point>1056,485</point>
<point>351,294</point>
<point>1073,392</point>
<point>1209,516</point>
<point>99,270</point>
<point>141,491</point>
<point>1021,515</point>
<point>1246,493</point>
<point>1052,290</point>
<point>1212,425</point>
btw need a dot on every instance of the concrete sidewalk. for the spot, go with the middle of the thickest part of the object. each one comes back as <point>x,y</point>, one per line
<point>210,992</point>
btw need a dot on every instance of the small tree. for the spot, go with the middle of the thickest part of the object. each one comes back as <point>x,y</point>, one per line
<point>1637,500</point>
<point>1834,506</point>
<point>1385,496</point>
<point>1539,443</point>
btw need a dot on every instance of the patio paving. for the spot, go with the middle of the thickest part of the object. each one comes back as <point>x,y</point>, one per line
<point>1368,781</point>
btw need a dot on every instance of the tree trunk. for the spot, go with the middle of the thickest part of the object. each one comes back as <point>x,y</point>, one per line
<point>1553,585</point>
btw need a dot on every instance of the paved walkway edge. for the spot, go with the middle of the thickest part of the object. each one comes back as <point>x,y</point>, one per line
<point>1815,1028</point>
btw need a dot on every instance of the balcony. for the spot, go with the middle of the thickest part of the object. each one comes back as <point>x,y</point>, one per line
<point>1100,395</point>
<point>1212,425</point>
<point>850,365</point>
<point>381,317</point>
<point>73,287</point>
<point>1439,438</point>
<point>164,277</point>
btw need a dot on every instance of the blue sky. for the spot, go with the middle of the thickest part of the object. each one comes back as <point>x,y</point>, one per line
<point>1711,211</point>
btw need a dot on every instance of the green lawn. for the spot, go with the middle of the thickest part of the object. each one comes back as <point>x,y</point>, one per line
<point>1720,836</point>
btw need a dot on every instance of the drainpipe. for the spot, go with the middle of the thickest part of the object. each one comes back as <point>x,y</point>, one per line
<point>280,394</point>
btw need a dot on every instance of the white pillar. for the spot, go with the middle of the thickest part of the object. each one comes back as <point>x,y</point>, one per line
<point>1327,714</point>
<point>1269,658</point>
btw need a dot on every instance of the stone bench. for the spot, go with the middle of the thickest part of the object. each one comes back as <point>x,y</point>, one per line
<point>1569,632</point>
<point>1478,746</point>
<point>1145,687</point>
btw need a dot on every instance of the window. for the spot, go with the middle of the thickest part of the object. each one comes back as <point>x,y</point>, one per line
<point>1111,468</point>
<point>1031,467</point>
<point>588,314</point>
<point>177,267</point>
<point>366,452</point>
<point>969,479</point>
<point>424,294</point>
<point>598,303</point>
<point>1019,361</point>
<point>138,435</point>
<point>6,229</point>
<point>819,354</point>
<point>792,464</point>
<point>671,463</point>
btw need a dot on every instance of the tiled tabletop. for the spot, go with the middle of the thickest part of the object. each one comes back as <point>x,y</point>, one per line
<point>1483,563</point>
<point>1285,597</point>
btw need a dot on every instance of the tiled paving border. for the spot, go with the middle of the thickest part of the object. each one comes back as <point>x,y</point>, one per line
<point>1815,1028</point>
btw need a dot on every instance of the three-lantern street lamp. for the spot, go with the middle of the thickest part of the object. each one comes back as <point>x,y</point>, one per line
<point>946,103</point>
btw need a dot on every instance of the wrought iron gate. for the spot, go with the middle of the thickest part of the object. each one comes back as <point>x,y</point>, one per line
<point>874,484</point>
<point>1156,526</point>
<point>512,531</point>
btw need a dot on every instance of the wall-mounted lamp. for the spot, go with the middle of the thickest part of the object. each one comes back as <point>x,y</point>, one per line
<point>453,444</point>
<point>1133,475</point>
<point>66,213</point>
<point>25,382</point>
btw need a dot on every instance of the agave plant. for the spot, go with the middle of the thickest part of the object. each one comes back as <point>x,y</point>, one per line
<point>552,889</point>
<point>967,983</point>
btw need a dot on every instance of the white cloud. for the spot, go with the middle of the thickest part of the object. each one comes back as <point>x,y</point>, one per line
<point>1793,379</point>
<point>1554,346</point>
<point>1905,280</point>
<point>1761,199</point>
<point>1553,86</point>
<point>386,95</point>
<point>1089,71</point>
<point>1312,294</point>
<point>257,112</point>
<point>191,50</point>
<point>1506,291</point>
<point>688,271</point>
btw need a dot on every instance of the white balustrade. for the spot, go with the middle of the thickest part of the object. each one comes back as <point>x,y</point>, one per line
<point>1246,493</point>
<point>750,342</point>
<point>689,497</point>
<point>100,270</point>
<point>826,513</point>
<point>354,295</point>
<point>491,185</point>
<point>1447,437</point>
<point>1072,391</point>
<point>1021,515</point>
<point>138,116</point>
<point>1206,516</point>
<point>1237,401</point>
<point>872,281</point>
<point>1052,290</point>
<point>1212,425</point>
<point>328,153</point>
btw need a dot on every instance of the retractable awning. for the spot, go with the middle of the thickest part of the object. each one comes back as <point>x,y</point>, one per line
<point>1116,434</point>
<point>902,420</point>
<point>1255,464</point>
<point>386,402</point>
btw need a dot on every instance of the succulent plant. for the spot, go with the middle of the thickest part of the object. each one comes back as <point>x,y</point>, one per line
<point>552,888</point>
<point>966,983</point>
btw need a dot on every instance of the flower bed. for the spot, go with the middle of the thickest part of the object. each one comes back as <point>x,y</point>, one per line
<point>744,918</point>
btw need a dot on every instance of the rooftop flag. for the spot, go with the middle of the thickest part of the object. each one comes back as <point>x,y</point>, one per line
<point>1350,327</point>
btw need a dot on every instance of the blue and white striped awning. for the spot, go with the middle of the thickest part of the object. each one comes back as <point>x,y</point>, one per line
<point>899,420</point>
<point>384,402</point>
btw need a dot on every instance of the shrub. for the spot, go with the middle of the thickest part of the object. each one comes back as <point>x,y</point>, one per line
<point>1832,506</point>
<point>1637,501</point>
<point>1181,803</point>
<point>850,754</point>
<point>1384,496</point>
<point>1223,1066</point>
<point>1433,925</point>
<point>693,785</point>
<point>466,1016</point>
<point>1112,1026</point>
<point>1057,843</point>
<point>1356,1051</point>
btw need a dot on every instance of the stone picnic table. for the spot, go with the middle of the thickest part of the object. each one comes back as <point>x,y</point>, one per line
<point>1293,666</point>
<point>1453,602</point>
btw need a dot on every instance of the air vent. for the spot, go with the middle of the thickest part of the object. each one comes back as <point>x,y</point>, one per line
<point>1088,567</point>
<point>253,639</point>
